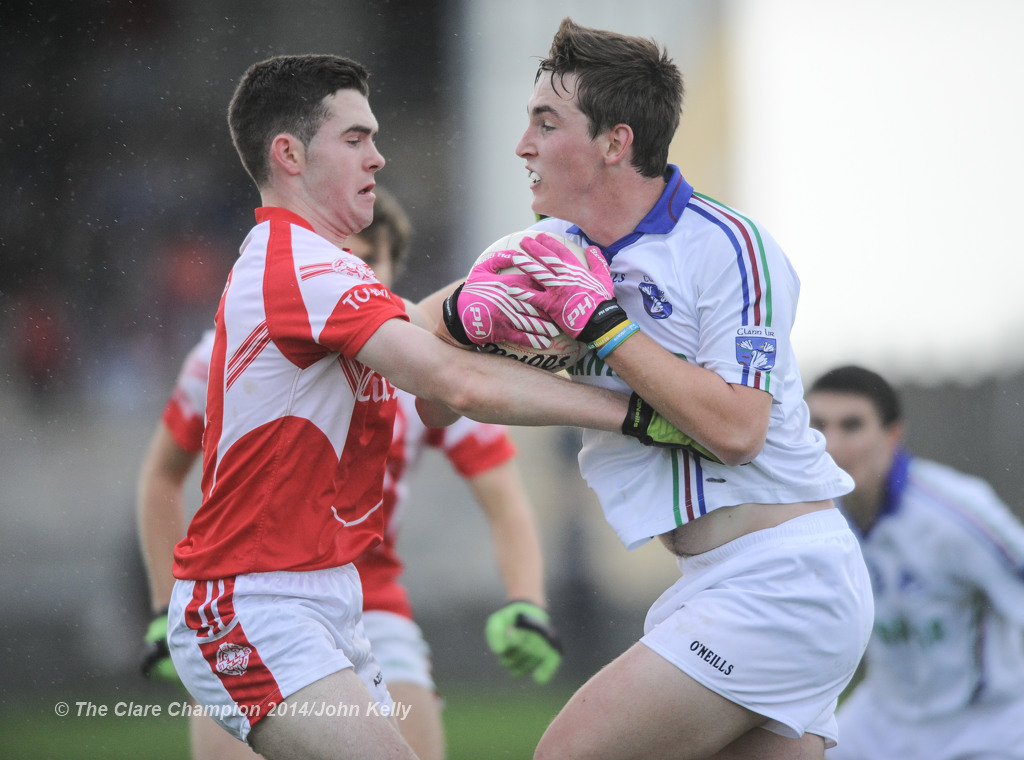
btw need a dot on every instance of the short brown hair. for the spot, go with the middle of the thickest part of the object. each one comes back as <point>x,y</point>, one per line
<point>286,94</point>
<point>859,381</point>
<point>621,80</point>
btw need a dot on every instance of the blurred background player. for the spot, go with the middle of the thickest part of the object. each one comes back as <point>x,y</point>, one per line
<point>519,633</point>
<point>944,670</point>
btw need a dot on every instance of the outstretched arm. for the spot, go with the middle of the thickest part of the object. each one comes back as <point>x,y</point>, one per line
<point>484,387</point>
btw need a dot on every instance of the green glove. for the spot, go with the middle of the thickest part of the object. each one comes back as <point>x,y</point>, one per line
<point>522,636</point>
<point>651,429</point>
<point>156,660</point>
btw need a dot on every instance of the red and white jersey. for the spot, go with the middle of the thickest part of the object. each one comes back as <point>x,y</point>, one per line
<point>471,447</point>
<point>185,411</point>
<point>298,431</point>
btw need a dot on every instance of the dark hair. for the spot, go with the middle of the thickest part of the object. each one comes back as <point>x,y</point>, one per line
<point>621,80</point>
<point>286,94</point>
<point>390,228</point>
<point>858,381</point>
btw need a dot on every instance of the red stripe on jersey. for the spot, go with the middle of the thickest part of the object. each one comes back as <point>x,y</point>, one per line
<point>287,317</point>
<point>353,372</point>
<point>282,499</point>
<point>687,488</point>
<point>751,253</point>
<point>243,674</point>
<point>246,354</point>
<point>314,270</point>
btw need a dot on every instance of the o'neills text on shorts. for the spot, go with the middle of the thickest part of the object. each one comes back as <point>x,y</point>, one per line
<point>716,661</point>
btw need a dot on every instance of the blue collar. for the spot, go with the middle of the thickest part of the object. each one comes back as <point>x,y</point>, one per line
<point>896,484</point>
<point>661,219</point>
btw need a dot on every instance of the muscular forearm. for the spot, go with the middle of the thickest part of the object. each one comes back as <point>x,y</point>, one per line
<point>497,389</point>
<point>731,421</point>
<point>486,387</point>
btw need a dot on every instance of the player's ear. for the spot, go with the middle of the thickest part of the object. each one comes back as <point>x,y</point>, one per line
<point>288,153</point>
<point>619,140</point>
<point>894,434</point>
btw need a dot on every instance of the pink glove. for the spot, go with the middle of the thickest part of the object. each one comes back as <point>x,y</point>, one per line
<point>580,301</point>
<point>490,308</point>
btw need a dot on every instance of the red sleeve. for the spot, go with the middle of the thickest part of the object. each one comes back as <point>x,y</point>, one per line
<point>482,450</point>
<point>186,427</point>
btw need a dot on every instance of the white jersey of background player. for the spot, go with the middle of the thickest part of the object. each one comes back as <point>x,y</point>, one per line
<point>944,675</point>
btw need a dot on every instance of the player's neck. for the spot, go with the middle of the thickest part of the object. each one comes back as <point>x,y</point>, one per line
<point>305,207</point>
<point>615,212</point>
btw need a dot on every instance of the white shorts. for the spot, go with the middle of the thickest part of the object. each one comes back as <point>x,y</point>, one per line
<point>978,732</point>
<point>399,647</point>
<point>775,621</point>
<point>242,645</point>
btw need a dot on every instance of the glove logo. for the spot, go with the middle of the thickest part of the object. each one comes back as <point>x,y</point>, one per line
<point>232,659</point>
<point>577,311</point>
<point>476,319</point>
<point>756,348</point>
<point>655,303</point>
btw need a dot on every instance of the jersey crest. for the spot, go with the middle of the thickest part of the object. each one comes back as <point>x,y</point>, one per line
<point>756,348</point>
<point>655,303</point>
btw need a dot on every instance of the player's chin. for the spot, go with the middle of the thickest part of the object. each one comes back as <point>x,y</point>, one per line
<point>539,206</point>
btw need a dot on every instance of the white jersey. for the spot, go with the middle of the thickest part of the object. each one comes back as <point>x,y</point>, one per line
<point>712,287</point>
<point>946,559</point>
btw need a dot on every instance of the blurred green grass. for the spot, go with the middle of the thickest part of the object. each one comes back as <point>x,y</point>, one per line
<point>479,723</point>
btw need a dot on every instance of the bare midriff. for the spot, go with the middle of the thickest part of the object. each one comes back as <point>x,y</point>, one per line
<point>725,524</point>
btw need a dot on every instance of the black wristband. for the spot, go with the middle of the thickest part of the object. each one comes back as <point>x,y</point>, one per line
<point>450,315</point>
<point>638,417</point>
<point>607,315</point>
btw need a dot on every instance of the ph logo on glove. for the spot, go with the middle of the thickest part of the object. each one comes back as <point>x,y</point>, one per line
<point>577,311</point>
